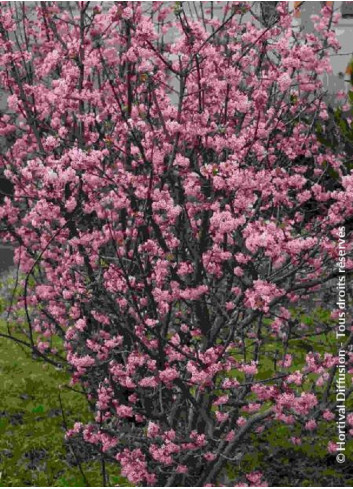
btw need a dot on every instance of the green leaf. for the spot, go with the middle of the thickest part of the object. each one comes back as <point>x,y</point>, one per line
<point>38,409</point>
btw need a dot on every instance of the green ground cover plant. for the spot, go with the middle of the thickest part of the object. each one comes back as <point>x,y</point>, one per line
<point>36,407</point>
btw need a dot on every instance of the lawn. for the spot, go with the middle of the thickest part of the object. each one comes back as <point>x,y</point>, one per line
<point>32,424</point>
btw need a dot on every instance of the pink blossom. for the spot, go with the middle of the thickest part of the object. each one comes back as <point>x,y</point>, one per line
<point>168,375</point>
<point>124,411</point>
<point>153,430</point>
<point>241,421</point>
<point>262,295</point>
<point>310,425</point>
<point>249,369</point>
<point>221,400</point>
<point>255,478</point>
<point>332,447</point>
<point>350,419</point>
<point>221,417</point>
<point>209,456</point>
<point>328,415</point>
<point>148,382</point>
<point>295,378</point>
<point>296,440</point>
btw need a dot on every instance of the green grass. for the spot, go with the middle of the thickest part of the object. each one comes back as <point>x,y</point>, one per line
<point>32,449</point>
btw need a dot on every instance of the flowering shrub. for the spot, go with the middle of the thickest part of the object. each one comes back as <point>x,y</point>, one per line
<point>171,211</point>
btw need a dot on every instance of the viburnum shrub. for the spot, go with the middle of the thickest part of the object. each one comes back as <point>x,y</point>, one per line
<point>173,211</point>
